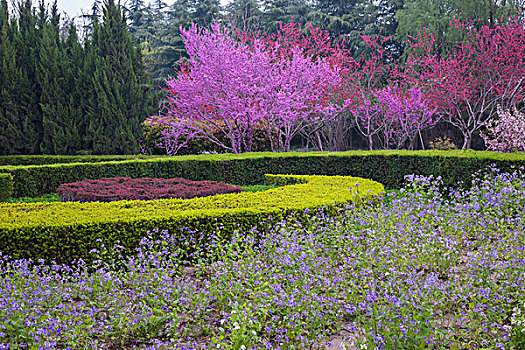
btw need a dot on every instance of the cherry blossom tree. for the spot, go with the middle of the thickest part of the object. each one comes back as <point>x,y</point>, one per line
<point>394,116</point>
<point>507,133</point>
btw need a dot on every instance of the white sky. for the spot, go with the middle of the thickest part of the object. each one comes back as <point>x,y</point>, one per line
<point>74,7</point>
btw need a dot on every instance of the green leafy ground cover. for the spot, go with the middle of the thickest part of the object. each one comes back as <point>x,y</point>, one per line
<point>425,269</point>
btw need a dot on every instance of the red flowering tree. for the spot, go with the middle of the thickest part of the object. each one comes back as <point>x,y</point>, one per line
<point>467,82</point>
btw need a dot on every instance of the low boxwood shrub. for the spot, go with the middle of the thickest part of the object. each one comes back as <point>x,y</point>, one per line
<point>125,188</point>
<point>67,231</point>
<point>386,167</point>
<point>6,186</point>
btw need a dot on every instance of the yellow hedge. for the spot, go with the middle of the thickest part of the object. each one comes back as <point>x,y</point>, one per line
<point>67,231</point>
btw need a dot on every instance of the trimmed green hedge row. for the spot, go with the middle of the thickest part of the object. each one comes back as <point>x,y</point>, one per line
<point>386,167</point>
<point>6,186</point>
<point>56,159</point>
<point>68,231</point>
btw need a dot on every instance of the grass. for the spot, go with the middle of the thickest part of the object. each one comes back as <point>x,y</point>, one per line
<point>50,197</point>
<point>422,270</point>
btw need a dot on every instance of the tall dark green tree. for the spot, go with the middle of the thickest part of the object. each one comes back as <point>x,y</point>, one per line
<point>353,18</point>
<point>276,11</point>
<point>120,98</point>
<point>244,15</point>
<point>27,45</point>
<point>13,122</point>
<point>136,12</point>
<point>435,16</point>
<point>203,12</point>
<point>339,17</point>
<point>56,74</point>
<point>158,32</point>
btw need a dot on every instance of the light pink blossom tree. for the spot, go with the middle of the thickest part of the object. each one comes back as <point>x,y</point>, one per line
<point>507,132</point>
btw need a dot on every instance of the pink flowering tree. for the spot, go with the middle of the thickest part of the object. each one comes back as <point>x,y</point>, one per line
<point>220,87</point>
<point>467,82</point>
<point>233,87</point>
<point>366,81</point>
<point>405,115</point>
<point>507,132</point>
<point>394,116</point>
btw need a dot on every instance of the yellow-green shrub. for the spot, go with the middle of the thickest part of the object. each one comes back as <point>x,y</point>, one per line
<point>67,231</point>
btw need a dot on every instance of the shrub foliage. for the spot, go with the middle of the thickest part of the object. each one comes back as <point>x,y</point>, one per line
<point>68,231</point>
<point>120,188</point>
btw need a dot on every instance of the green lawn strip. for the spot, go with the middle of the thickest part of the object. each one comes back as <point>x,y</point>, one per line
<point>49,197</point>
<point>68,231</point>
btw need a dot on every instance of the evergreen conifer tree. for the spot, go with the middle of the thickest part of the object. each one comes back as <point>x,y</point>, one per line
<point>12,122</point>
<point>26,42</point>
<point>54,72</point>
<point>120,98</point>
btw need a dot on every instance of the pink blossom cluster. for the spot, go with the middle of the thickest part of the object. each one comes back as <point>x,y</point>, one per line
<point>394,116</point>
<point>468,81</point>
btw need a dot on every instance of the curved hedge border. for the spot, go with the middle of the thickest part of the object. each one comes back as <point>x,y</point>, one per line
<point>68,231</point>
<point>386,167</point>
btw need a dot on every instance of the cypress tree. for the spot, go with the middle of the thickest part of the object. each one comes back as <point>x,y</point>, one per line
<point>120,98</point>
<point>73,68</point>
<point>54,72</point>
<point>27,45</point>
<point>50,76</point>
<point>13,140</point>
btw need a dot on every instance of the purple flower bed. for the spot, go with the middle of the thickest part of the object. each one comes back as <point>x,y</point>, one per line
<point>121,188</point>
<point>423,270</point>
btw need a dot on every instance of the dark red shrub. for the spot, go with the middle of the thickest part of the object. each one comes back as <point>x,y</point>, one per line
<point>120,188</point>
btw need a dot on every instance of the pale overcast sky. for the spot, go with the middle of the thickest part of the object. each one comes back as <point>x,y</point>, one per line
<point>73,7</point>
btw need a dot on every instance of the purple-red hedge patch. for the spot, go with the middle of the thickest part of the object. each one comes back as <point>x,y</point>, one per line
<point>121,188</point>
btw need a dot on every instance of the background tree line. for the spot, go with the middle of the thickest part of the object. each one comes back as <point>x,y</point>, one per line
<point>67,89</point>
<point>58,96</point>
<point>156,26</point>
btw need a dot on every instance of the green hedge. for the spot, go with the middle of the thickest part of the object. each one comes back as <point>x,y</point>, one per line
<point>6,186</point>
<point>56,159</point>
<point>386,167</point>
<point>68,231</point>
